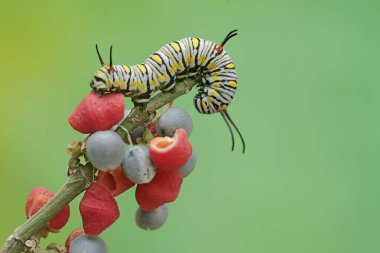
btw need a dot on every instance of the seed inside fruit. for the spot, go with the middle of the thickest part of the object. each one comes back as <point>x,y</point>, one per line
<point>166,141</point>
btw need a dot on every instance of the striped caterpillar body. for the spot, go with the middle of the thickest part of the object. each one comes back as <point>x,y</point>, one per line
<point>200,60</point>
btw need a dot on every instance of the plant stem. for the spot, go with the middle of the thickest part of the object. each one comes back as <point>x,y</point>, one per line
<point>139,116</point>
<point>84,174</point>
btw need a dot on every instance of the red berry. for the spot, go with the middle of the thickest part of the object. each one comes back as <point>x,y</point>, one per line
<point>164,188</point>
<point>37,198</point>
<point>97,113</point>
<point>115,181</point>
<point>98,209</point>
<point>60,220</point>
<point>33,193</point>
<point>170,154</point>
<point>71,237</point>
<point>37,201</point>
<point>153,128</point>
<point>146,203</point>
<point>122,182</point>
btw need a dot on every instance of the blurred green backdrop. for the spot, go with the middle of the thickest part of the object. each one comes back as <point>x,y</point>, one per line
<point>307,103</point>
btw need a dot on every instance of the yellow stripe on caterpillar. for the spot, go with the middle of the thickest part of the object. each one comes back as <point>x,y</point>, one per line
<point>201,58</point>
<point>142,86</point>
<point>187,59</point>
<point>230,66</point>
<point>212,65</point>
<point>127,69</point>
<point>195,42</point>
<point>163,77</point>
<point>154,82</point>
<point>157,59</point>
<point>232,84</point>
<point>212,92</point>
<point>204,104</point>
<point>142,68</point>
<point>133,85</point>
<point>175,46</point>
<point>215,85</point>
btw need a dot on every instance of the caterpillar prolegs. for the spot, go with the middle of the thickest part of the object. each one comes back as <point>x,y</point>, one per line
<point>201,60</point>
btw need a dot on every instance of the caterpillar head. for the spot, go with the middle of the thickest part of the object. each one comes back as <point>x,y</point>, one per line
<point>102,81</point>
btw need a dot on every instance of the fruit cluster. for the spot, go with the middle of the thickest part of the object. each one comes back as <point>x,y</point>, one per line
<point>158,158</point>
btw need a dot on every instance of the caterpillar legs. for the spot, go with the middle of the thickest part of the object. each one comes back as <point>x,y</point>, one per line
<point>141,101</point>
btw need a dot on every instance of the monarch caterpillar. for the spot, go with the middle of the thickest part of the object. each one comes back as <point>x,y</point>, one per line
<point>201,60</point>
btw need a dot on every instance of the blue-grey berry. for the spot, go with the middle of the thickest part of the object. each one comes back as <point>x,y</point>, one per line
<point>172,119</point>
<point>189,165</point>
<point>88,244</point>
<point>105,150</point>
<point>137,165</point>
<point>151,220</point>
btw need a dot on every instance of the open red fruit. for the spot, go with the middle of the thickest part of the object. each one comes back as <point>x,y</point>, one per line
<point>164,188</point>
<point>37,198</point>
<point>97,113</point>
<point>98,209</point>
<point>71,237</point>
<point>170,154</point>
<point>115,181</point>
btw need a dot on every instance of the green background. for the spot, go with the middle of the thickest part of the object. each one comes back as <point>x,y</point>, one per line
<point>307,104</point>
